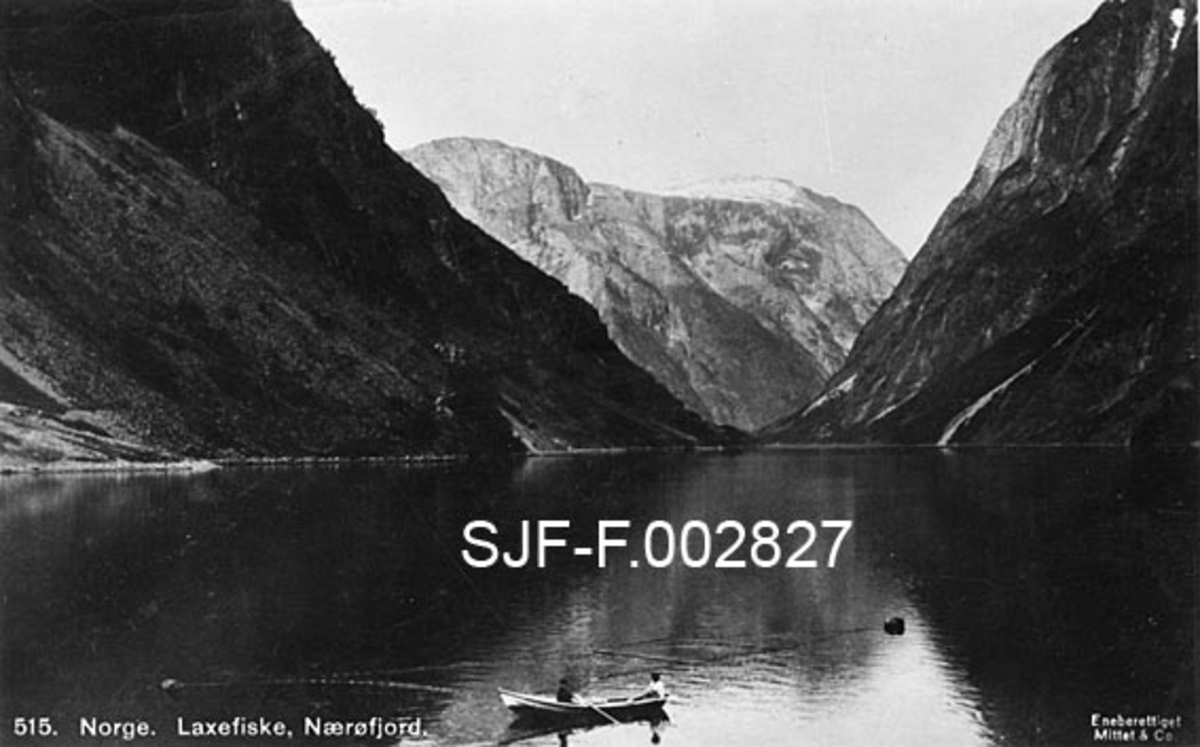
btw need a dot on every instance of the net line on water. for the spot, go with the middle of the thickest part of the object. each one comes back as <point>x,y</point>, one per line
<point>373,678</point>
<point>743,641</point>
<point>751,648</point>
<point>379,684</point>
<point>748,649</point>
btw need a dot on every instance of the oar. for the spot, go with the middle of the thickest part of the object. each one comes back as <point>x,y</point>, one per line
<point>601,711</point>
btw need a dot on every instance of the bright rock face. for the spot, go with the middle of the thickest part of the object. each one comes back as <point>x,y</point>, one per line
<point>208,248</point>
<point>741,296</point>
<point>1056,300</point>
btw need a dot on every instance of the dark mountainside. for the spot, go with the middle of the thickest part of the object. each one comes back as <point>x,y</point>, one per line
<point>742,296</point>
<point>208,248</point>
<point>1056,300</point>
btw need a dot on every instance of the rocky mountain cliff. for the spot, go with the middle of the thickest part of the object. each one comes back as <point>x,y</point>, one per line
<point>741,296</point>
<point>1056,299</point>
<point>206,247</point>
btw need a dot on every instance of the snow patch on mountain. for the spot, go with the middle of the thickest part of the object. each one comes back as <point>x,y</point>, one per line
<point>748,189</point>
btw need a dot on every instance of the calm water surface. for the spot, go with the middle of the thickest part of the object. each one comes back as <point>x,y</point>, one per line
<point>1038,587</point>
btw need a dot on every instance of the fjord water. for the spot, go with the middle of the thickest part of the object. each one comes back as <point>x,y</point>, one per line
<point>1039,587</point>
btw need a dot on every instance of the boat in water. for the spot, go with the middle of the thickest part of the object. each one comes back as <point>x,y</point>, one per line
<point>549,708</point>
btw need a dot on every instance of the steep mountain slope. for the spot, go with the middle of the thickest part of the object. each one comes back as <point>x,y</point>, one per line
<point>740,296</point>
<point>1056,299</point>
<point>208,247</point>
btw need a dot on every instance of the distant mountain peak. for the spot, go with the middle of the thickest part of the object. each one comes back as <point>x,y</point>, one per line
<point>741,295</point>
<point>476,143</point>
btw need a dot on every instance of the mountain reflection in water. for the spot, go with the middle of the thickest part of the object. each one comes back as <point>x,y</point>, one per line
<point>1039,586</point>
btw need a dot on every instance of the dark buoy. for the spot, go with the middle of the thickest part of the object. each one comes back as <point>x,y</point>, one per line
<point>171,687</point>
<point>894,626</point>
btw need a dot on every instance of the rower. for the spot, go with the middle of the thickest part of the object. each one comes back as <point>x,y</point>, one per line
<point>564,692</point>
<point>656,689</point>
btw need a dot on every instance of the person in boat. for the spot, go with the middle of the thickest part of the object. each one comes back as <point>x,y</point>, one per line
<point>564,692</point>
<point>656,689</point>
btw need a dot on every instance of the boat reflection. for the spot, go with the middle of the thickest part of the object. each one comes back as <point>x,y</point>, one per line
<point>525,729</point>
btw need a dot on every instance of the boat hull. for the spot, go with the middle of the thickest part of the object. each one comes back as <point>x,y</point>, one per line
<point>527,706</point>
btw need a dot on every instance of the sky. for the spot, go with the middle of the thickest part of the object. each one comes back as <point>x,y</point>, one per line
<point>886,104</point>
